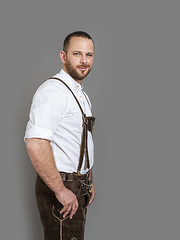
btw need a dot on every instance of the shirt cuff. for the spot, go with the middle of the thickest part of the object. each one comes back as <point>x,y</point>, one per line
<point>39,132</point>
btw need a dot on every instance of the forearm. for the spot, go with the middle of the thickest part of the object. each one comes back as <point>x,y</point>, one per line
<point>42,158</point>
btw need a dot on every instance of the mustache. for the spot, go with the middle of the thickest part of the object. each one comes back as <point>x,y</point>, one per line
<point>84,65</point>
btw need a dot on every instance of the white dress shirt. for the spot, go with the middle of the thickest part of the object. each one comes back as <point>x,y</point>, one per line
<point>56,116</point>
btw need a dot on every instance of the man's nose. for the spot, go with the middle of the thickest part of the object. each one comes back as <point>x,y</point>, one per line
<point>83,59</point>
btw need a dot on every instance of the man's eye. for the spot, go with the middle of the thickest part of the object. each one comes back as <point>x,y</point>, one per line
<point>89,55</point>
<point>76,53</point>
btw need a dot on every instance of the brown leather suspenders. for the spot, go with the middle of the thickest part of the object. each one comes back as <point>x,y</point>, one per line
<point>88,123</point>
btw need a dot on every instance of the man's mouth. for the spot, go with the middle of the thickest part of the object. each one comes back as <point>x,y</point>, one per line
<point>82,68</point>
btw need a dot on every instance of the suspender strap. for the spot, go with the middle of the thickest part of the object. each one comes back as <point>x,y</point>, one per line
<point>83,147</point>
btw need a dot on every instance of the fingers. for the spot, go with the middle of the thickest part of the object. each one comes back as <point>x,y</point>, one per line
<point>74,209</point>
<point>92,197</point>
<point>65,211</point>
<point>70,209</point>
<point>91,200</point>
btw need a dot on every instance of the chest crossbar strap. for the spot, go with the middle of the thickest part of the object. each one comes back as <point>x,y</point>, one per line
<point>88,123</point>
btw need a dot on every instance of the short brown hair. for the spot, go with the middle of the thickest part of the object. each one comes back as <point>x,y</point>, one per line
<point>75,34</point>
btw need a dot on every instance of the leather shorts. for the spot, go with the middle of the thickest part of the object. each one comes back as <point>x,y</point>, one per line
<point>55,227</point>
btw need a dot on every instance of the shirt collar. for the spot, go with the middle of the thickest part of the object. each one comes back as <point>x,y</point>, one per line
<point>69,80</point>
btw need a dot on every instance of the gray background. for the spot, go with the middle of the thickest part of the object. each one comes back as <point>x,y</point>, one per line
<point>134,88</point>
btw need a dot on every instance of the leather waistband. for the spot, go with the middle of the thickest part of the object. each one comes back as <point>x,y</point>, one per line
<point>72,176</point>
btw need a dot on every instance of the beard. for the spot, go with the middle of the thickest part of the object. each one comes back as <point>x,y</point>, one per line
<point>75,72</point>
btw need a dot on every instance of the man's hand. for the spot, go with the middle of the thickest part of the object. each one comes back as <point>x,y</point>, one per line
<point>93,194</point>
<point>68,199</point>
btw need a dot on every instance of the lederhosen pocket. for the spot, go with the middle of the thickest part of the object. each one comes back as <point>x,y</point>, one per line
<point>73,186</point>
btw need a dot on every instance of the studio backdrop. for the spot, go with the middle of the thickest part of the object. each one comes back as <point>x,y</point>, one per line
<point>134,89</point>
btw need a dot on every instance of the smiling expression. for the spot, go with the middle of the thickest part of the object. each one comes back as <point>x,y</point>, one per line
<point>78,59</point>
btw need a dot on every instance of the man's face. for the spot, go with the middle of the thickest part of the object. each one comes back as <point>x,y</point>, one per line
<point>78,59</point>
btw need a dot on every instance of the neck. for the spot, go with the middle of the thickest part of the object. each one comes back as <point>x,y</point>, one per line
<point>78,81</point>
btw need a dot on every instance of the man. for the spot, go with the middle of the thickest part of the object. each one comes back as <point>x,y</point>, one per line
<point>59,142</point>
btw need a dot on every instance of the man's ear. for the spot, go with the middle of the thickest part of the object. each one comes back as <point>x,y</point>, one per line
<point>62,56</point>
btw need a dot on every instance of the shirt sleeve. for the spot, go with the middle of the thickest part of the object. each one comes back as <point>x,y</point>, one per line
<point>47,108</point>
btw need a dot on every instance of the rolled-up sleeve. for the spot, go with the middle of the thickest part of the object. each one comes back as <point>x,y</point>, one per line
<point>47,108</point>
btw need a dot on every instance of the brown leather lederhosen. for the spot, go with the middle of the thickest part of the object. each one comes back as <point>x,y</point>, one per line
<point>55,227</point>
